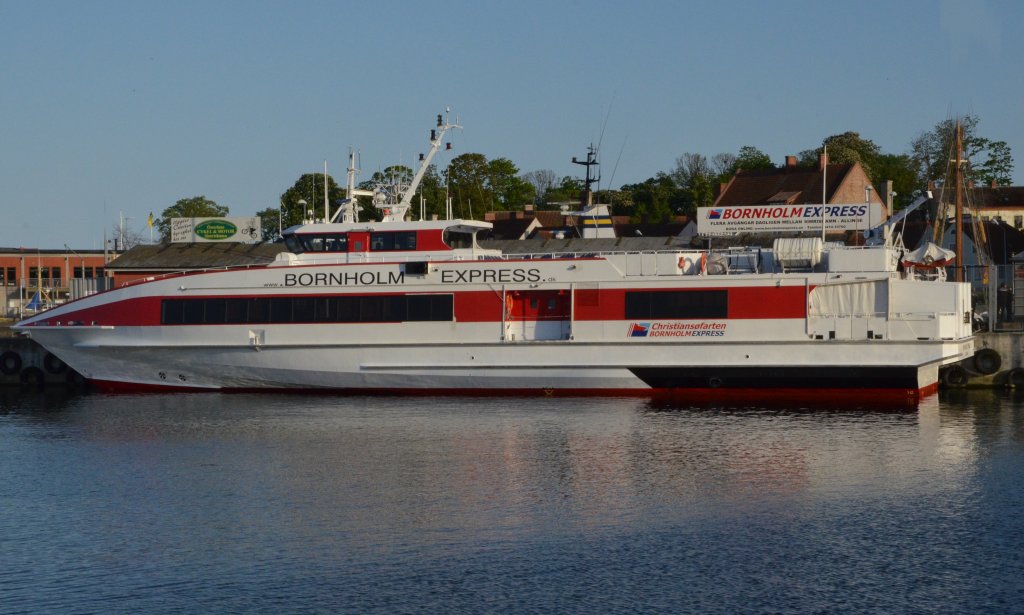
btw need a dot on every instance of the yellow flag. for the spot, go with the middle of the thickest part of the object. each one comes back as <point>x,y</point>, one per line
<point>150,221</point>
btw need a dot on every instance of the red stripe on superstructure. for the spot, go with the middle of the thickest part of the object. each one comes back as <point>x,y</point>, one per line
<point>745,302</point>
<point>759,302</point>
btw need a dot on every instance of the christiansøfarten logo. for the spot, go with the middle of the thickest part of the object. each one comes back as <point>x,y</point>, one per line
<point>715,214</point>
<point>639,329</point>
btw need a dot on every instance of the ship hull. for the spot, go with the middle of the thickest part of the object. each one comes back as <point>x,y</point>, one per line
<point>109,358</point>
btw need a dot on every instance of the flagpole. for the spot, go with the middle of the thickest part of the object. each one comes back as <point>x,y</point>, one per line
<point>824,172</point>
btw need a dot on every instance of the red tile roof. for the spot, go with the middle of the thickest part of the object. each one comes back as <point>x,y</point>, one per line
<point>791,184</point>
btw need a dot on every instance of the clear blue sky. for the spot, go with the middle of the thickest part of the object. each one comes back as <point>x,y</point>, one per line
<point>109,107</point>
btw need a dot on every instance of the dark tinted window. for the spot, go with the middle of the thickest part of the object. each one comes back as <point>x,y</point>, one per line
<point>400,240</point>
<point>677,304</point>
<point>282,310</point>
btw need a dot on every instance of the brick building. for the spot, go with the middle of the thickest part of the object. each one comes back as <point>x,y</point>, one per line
<point>53,273</point>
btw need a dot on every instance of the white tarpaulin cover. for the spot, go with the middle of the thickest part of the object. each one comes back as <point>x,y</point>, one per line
<point>850,299</point>
<point>929,255</point>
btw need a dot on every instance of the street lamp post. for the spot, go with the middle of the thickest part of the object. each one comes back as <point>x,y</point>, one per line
<point>867,201</point>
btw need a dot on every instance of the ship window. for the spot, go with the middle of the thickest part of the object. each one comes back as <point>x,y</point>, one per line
<point>677,304</point>
<point>294,245</point>
<point>457,239</point>
<point>430,307</point>
<point>281,309</point>
<point>193,312</point>
<point>302,309</point>
<point>285,310</point>
<point>235,310</point>
<point>382,242</point>
<point>215,311</point>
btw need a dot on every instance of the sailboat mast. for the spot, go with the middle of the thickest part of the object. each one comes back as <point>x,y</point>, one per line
<point>958,201</point>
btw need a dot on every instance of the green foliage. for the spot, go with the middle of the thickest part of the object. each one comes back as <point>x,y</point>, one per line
<point>751,158</point>
<point>932,152</point>
<point>509,189</point>
<point>308,188</point>
<point>468,179</point>
<point>655,199</point>
<point>900,169</point>
<point>998,166</point>
<point>195,207</point>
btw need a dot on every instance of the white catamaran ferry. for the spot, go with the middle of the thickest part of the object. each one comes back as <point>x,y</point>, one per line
<point>419,307</point>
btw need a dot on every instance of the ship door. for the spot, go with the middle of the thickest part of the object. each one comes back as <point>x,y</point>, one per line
<point>537,315</point>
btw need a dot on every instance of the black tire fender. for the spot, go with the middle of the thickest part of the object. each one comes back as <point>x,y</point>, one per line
<point>987,361</point>
<point>53,364</point>
<point>955,376</point>
<point>1015,377</point>
<point>10,363</point>
<point>33,377</point>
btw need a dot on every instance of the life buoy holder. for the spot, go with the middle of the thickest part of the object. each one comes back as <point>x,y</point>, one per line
<point>53,364</point>
<point>686,262</point>
<point>10,363</point>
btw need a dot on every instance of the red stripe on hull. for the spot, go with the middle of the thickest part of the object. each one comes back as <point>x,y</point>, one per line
<point>691,396</point>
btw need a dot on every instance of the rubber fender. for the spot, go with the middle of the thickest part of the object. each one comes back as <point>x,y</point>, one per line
<point>33,377</point>
<point>987,361</point>
<point>1015,377</point>
<point>53,364</point>
<point>955,376</point>
<point>10,363</point>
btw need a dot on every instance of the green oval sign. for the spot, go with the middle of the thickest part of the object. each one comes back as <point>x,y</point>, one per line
<point>214,230</point>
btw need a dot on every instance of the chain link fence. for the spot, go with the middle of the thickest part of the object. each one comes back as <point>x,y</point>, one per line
<point>997,293</point>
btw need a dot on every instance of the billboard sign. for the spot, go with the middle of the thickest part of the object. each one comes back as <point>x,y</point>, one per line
<point>721,221</point>
<point>199,230</point>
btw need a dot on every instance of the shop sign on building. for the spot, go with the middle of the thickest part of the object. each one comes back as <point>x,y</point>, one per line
<point>198,230</point>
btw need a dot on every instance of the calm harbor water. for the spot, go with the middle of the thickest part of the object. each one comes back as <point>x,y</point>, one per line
<point>286,503</point>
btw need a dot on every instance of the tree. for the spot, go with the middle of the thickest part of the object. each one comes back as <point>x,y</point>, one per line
<point>654,199</point>
<point>900,169</point>
<point>568,189</point>
<point>195,207</point>
<point>696,179</point>
<point>846,148</point>
<point>510,190</point>
<point>468,177</point>
<point>308,188</point>
<point>433,191</point>
<point>998,167</point>
<point>750,158</point>
<point>542,180</point>
<point>932,152</point>
<point>124,237</point>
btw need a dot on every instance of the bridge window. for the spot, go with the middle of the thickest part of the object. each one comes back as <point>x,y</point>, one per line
<point>309,242</point>
<point>392,241</point>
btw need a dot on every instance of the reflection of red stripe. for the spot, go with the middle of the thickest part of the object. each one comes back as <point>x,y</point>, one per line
<point>894,398</point>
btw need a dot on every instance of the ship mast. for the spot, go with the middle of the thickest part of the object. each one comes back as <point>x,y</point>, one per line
<point>586,199</point>
<point>394,213</point>
<point>959,207</point>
